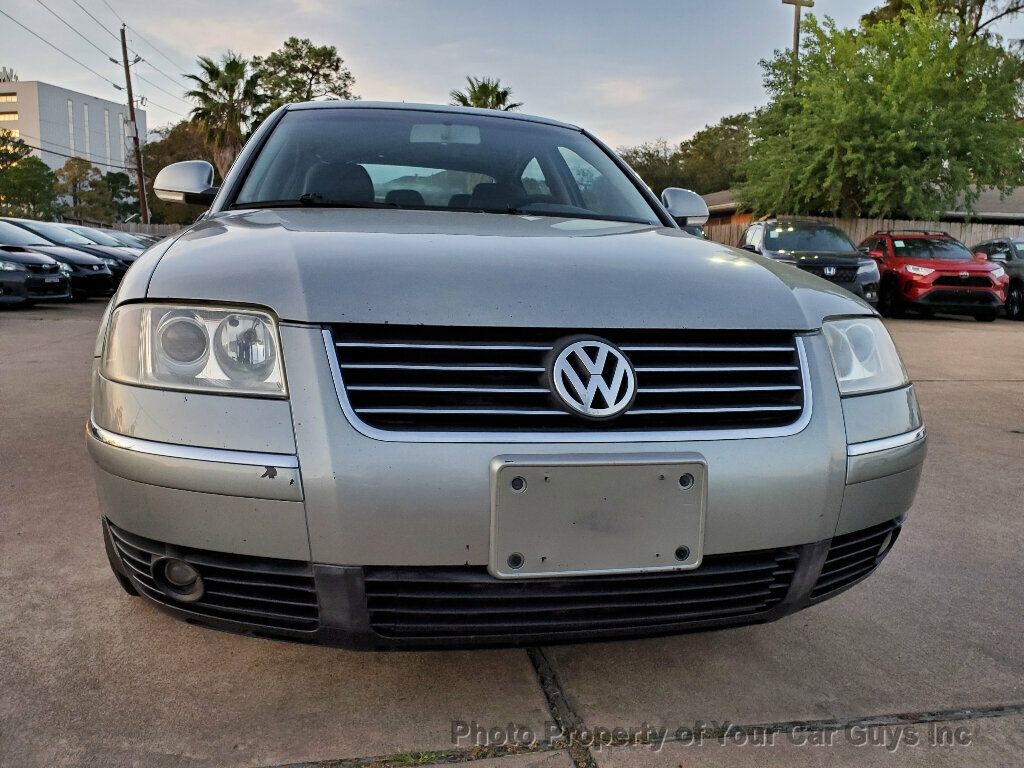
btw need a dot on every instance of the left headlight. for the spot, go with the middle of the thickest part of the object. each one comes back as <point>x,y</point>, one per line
<point>63,268</point>
<point>870,270</point>
<point>225,350</point>
<point>864,357</point>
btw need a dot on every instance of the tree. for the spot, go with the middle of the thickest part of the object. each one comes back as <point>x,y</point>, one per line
<point>122,193</point>
<point>27,189</point>
<point>88,196</point>
<point>183,141</point>
<point>12,149</point>
<point>485,93</point>
<point>897,118</point>
<point>227,103</point>
<point>301,71</point>
<point>973,16</point>
<point>711,160</point>
<point>656,163</point>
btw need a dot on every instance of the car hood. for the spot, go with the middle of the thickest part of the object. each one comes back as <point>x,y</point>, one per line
<point>973,266</point>
<point>449,268</point>
<point>67,254</point>
<point>23,255</point>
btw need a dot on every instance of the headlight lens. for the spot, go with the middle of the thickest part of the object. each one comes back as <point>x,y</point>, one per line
<point>109,262</point>
<point>10,266</point>
<point>998,272</point>
<point>63,268</point>
<point>864,357</point>
<point>869,268</point>
<point>230,351</point>
<point>916,270</point>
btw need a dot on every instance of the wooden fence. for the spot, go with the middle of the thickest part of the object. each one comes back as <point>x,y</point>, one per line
<point>857,229</point>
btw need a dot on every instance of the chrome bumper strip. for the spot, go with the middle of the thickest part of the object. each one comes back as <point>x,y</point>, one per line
<point>191,452</point>
<point>886,443</point>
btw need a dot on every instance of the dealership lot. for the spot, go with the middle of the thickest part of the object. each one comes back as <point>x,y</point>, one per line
<point>89,676</point>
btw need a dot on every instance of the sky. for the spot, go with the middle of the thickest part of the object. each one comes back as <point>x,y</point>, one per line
<point>628,71</point>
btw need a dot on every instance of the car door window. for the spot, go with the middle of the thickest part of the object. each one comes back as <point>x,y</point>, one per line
<point>534,181</point>
<point>595,191</point>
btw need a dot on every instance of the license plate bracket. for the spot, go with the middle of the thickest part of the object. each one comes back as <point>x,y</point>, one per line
<point>596,514</point>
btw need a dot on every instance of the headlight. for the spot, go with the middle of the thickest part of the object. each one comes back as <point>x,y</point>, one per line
<point>230,351</point>
<point>10,266</point>
<point>110,262</point>
<point>997,273</point>
<point>869,268</point>
<point>916,270</point>
<point>63,268</point>
<point>864,357</point>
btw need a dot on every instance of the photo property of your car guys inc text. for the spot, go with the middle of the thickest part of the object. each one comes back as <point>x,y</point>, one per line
<point>567,385</point>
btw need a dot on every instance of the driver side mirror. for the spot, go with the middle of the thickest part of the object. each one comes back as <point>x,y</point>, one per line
<point>190,181</point>
<point>982,256</point>
<point>686,207</point>
<point>750,247</point>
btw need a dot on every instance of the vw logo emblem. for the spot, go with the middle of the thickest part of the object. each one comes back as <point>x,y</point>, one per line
<point>830,271</point>
<point>593,378</point>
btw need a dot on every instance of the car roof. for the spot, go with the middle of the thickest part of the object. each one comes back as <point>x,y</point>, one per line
<point>913,234</point>
<point>444,108</point>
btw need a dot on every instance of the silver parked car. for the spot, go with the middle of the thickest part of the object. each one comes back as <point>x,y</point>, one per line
<point>426,376</point>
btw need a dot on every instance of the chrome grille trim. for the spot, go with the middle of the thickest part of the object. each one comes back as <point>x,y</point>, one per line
<point>567,437</point>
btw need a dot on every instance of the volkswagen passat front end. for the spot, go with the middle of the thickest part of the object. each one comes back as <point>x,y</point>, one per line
<point>426,377</point>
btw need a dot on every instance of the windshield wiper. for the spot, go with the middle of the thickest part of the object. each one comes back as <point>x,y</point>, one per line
<point>312,201</point>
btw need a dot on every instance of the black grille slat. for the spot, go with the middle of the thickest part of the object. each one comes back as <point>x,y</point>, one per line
<point>971,281</point>
<point>253,590</point>
<point>450,602</point>
<point>455,379</point>
<point>841,274</point>
<point>852,556</point>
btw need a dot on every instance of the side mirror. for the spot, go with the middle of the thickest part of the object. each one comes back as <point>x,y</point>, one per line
<point>685,206</point>
<point>190,181</point>
<point>749,247</point>
<point>876,254</point>
<point>864,249</point>
<point>980,256</point>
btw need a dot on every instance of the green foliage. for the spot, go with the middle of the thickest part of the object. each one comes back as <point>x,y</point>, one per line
<point>27,189</point>
<point>12,149</point>
<point>899,118</point>
<point>184,141</point>
<point>657,163</point>
<point>301,71</point>
<point>970,18</point>
<point>88,197</point>
<point>122,193</point>
<point>712,159</point>
<point>485,93</point>
<point>228,101</point>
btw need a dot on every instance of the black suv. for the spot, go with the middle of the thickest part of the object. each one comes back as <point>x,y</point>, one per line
<point>818,248</point>
<point>1009,253</point>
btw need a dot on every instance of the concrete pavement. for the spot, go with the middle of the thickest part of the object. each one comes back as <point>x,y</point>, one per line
<point>91,677</point>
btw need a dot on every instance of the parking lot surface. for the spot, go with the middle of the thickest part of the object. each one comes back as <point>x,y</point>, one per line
<point>931,645</point>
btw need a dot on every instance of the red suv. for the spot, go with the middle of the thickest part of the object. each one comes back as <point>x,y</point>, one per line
<point>933,272</point>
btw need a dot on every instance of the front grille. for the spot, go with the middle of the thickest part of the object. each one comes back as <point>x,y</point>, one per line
<point>842,274</point>
<point>451,602</point>
<point>494,379</point>
<point>971,281</point>
<point>258,591</point>
<point>43,269</point>
<point>963,296</point>
<point>853,556</point>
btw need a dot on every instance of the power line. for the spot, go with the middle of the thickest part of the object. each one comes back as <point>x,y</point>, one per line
<point>61,51</point>
<point>69,26</point>
<point>146,100</point>
<point>77,157</point>
<point>99,23</point>
<point>160,88</point>
<point>163,55</point>
<point>159,71</point>
<point>84,155</point>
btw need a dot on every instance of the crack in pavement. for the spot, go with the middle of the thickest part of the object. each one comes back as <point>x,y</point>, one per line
<point>571,724</point>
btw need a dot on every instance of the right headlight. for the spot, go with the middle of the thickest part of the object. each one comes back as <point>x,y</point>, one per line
<point>863,355</point>
<point>224,350</point>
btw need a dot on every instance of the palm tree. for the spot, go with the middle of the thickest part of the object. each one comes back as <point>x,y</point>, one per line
<point>227,101</point>
<point>485,93</point>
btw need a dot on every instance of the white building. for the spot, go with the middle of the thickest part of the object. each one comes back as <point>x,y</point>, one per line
<point>59,124</point>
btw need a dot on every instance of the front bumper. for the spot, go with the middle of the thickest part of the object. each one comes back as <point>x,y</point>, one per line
<point>441,607</point>
<point>92,283</point>
<point>372,527</point>
<point>34,288</point>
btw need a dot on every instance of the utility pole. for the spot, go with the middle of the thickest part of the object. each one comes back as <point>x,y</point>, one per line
<point>798,5</point>
<point>143,206</point>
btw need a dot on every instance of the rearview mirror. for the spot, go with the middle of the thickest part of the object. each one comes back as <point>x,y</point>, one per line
<point>190,181</point>
<point>685,206</point>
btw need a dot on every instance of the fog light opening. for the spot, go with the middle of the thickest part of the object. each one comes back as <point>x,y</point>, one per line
<point>178,579</point>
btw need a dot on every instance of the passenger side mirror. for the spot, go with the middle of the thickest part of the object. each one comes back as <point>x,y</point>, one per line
<point>981,256</point>
<point>685,206</point>
<point>750,247</point>
<point>190,181</point>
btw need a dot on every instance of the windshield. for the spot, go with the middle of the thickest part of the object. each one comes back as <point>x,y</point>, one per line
<point>438,161</point>
<point>931,248</point>
<point>55,233</point>
<point>94,236</point>
<point>786,238</point>
<point>13,235</point>
<point>125,239</point>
